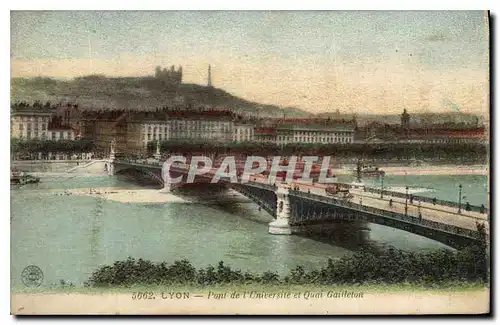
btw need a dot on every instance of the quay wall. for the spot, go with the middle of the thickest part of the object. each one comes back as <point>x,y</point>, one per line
<point>72,166</point>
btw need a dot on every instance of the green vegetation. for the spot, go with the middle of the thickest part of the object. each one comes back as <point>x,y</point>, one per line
<point>389,267</point>
<point>457,151</point>
<point>32,147</point>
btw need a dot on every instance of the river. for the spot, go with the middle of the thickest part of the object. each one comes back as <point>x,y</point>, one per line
<point>70,236</point>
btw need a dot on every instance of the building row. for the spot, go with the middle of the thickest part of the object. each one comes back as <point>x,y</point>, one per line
<point>430,134</point>
<point>133,130</point>
<point>38,122</point>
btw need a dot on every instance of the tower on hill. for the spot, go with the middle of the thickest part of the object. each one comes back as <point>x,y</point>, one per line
<point>209,81</point>
<point>405,119</point>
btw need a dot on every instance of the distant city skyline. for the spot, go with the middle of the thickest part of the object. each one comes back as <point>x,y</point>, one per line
<point>365,62</point>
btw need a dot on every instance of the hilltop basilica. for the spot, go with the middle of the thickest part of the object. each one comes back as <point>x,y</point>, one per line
<point>169,76</point>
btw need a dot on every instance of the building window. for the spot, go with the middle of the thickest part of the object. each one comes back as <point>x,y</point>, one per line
<point>53,135</point>
<point>21,126</point>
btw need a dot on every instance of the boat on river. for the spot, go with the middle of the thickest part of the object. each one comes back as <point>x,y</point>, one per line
<point>367,171</point>
<point>21,178</point>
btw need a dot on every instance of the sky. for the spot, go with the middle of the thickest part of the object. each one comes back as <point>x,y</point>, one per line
<point>351,61</point>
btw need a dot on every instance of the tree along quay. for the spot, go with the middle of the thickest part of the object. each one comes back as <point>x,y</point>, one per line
<point>396,152</point>
<point>430,268</point>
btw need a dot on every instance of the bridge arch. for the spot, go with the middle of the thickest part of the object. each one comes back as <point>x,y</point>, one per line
<point>264,198</point>
<point>140,172</point>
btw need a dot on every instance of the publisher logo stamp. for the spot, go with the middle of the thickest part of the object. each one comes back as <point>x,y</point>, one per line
<point>32,276</point>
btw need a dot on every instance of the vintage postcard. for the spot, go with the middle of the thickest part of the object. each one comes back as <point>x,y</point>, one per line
<point>248,163</point>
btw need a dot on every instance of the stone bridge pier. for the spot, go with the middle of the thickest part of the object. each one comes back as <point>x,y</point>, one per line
<point>111,160</point>
<point>167,184</point>
<point>110,167</point>
<point>281,225</point>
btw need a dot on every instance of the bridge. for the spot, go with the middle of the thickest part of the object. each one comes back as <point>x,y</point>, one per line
<point>297,205</point>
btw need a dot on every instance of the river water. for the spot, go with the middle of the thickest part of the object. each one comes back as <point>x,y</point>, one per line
<point>69,237</point>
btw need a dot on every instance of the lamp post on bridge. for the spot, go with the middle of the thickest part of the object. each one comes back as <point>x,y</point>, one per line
<point>382,188</point>
<point>460,198</point>
<point>406,202</point>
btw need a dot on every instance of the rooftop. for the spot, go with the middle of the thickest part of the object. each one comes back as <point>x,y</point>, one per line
<point>472,132</point>
<point>264,131</point>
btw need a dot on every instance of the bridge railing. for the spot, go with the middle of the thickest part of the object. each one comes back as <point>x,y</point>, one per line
<point>139,162</point>
<point>143,162</point>
<point>452,204</point>
<point>391,214</point>
<point>261,185</point>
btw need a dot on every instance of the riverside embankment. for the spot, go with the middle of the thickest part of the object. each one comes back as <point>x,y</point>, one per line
<point>98,167</point>
<point>95,166</point>
<point>424,170</point>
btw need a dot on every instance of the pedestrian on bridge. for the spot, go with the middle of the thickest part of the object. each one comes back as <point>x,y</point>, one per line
<point>467,207</point>
<point>434,201</point>
<point>390,202</point>
<point>482,208</point>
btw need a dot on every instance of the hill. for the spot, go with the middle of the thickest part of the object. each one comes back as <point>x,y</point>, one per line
<point>141,93</point>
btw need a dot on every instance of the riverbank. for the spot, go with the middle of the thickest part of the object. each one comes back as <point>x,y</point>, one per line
<point>425,170</point>
<point>320,300</point>
<point>125,195</point>
<point>96,167</point>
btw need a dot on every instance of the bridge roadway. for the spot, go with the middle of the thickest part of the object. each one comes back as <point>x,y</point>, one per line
<point>444,215</point>
<point>439,213</point>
